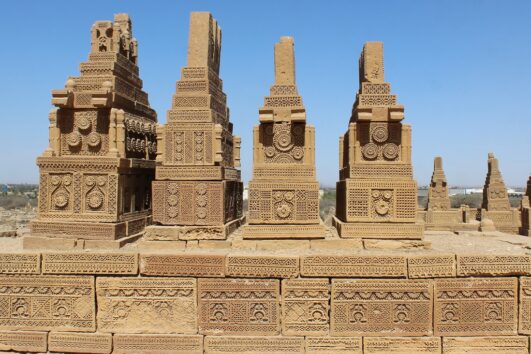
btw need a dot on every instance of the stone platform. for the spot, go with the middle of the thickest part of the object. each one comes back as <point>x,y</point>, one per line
<point>448,293</point>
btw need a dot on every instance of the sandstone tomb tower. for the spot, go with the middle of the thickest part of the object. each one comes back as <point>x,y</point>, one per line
<point>96,174</point>
<point>496,206</point>
<point>198,193</point>
<point>376,194</point>
<point>284,192</point>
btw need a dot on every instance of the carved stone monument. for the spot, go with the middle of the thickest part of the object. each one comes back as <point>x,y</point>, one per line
<point>95,176</point>
<point>198,193</point>
<point>525,210</point>
<point>376,194</point>
<point>284,192</point>
<point>439,215</point>
<point>496,206</point>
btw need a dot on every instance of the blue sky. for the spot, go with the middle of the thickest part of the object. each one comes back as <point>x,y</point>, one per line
<point>461,68</point>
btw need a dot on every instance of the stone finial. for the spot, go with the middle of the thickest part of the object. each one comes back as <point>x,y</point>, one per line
<point>371,63</point>
<point>204,44</point>
<point>437,163</point>
<point>285,62</point>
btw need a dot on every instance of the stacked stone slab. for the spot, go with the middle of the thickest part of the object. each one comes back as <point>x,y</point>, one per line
<point>376,194</point>
<point>198,191</point>
<point>95,176</point>
<point>525,210</point>
<point>439,215</point>
<point>284,192</point>
<point>496,206</point>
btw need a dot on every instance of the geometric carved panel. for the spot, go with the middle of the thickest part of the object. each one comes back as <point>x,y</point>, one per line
<point>381,308</point>
<point>239,306</point>
<point>475,306</point>
<point>47,302</point>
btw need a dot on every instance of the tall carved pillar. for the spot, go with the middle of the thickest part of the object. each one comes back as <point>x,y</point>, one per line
<point>95,176</point>
<point>376,194</point>
<point>198,193</point>
<point>284,192</point>
<point>496,205</point>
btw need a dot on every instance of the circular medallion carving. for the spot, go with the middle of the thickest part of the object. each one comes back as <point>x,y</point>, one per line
<point>95,199</point>
<point>297,153</point>
<point>382,207</point>
<point>60,199</point>
<point>269,130</point>
<point>90,180</point>
<point>173,200</point>
<point>173,212</point>
<point>201,212</point>
<point>390,151</point>
<point>370,151</point>
<point>269,151</point>
<point>282,141</point>
<point>387,195</point>
<point>201,200</point>
<point>74,139</point>
<point>56,180</point>
<point>67,180</point>
<point>101,181</point>
<point>283,210</point>
<point>298,129</point>
<point>84,123</point>
<point>380,134</point>
<point>173,188</point>
<point>201,188</point>
<point>94,139</point>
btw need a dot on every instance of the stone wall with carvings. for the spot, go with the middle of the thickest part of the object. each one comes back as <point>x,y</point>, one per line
<point>258,296</point>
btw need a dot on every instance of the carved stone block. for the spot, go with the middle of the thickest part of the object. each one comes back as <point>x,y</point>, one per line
<point>524,326</point>
<point>381,308</point>
<point>147,305</point>
<point>23,341</point>
<point>20,263</point>
<point>196,202</point>
<point>80,342</point>
<point>157,343</point>
<point>380,230</point>
<point>183,264</point>
<point>263,266</point>
<point>475,306</point>
<point>354,266</point>
<point>379,345</point>
<point>47,303</point>
<point>305,306</point>
<point>254,345</point>
<point>329,345</point>
<point>283,203</point>
<point>431,266</point>
<point>89,263</point>
<point>239,306</point>
<point>263,231</point>
<point>490,344</point>
<point>499,265</point>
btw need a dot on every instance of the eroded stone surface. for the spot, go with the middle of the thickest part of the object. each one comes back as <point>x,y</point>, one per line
<point>385,345</point>
<point>262,266</point>
<point>254,345</point>
<point>524,326</point>
<point>23,341</point>
<point>157,343</point>
<point>183,264</point>
<point>498,265</point>
<point>329,345</point>
<point>490,344</point>
<point>239,306</point>
<point>354,266</point>
<point>475,306</point>
<point>89,263</point>
<point>147,305</point>
<point>381,307</point>
<point>80,342</point>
